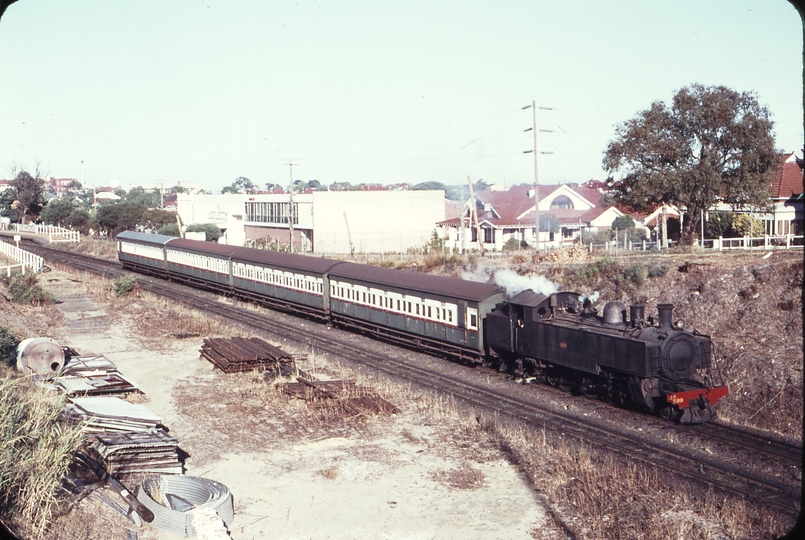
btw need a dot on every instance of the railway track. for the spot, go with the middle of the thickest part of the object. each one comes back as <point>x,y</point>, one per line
<point>778,494</point>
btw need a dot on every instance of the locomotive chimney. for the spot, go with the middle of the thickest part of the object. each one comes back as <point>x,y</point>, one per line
<point>637,313</point>
<point>666,314</point>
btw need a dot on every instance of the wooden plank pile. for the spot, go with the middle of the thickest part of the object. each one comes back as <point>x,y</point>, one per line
<point>338,398</point>
<point>240,354</point>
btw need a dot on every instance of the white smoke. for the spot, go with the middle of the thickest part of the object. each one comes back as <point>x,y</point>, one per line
<point>515,283</point>
<point>593,297</point>
<point>481,274</point>
<point>511,280</point>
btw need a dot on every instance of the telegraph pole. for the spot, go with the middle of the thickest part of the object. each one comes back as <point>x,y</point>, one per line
<point>290,207</point>
<point>533,128</point>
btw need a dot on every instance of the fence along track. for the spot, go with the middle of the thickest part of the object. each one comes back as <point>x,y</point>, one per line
<point>25,258</point>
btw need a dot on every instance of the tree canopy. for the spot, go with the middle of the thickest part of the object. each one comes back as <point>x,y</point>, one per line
<point>712,144</point>
<point>29,196</point>
<point>57,211</point>
<point>240,185</point>
<point>115,218</point>
<point>211,230</point>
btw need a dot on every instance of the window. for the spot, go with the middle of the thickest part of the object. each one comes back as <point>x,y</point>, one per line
<point>472,318</point>
<point>561,203</point>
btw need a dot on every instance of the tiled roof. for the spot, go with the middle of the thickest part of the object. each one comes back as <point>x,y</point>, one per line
<point>515,207</point>
<point>787,180</point>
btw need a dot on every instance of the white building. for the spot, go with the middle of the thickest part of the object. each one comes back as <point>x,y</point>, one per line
<point>324,221</point>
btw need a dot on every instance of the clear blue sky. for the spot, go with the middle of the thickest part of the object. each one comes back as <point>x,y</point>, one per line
<point>383,91</point>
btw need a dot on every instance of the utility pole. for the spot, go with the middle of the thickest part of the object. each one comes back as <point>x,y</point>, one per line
<point>533,128</point>
<point>290,207</point>
<point>474,217</point>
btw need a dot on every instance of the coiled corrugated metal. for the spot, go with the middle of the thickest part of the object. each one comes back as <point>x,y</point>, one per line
<point>196,492</point>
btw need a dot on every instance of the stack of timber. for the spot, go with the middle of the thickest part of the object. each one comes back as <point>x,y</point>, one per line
<point>246,354</point>
<point>126,454</point>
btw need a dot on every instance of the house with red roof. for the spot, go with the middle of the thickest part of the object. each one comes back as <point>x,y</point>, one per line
<point>786,197</point>
<point>505,215</point>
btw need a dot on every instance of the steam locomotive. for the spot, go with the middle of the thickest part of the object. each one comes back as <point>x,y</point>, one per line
<point>559,338</point>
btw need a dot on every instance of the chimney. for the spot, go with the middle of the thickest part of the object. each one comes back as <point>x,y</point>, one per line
<point>666,314</point>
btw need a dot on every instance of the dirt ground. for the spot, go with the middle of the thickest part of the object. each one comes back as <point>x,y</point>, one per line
<point>417,474</point>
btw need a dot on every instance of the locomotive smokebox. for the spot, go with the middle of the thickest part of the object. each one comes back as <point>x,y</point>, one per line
<point>666,315</point>
<point>637,313</point>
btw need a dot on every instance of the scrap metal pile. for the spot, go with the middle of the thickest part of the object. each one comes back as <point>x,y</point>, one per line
<point>127,441</point>
<point>246,354</point>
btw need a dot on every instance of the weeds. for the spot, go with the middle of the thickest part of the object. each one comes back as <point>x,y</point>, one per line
<point>8,347</point>
<point>36,449</point>
<point>658,270</point>
<point>25,289</point>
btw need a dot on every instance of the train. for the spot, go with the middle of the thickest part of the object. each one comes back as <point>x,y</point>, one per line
<point>560,339</point>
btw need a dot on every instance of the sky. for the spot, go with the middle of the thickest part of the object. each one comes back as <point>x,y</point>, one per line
<point>131,93</point>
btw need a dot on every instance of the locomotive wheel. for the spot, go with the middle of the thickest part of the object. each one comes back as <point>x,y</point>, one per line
<point>671,414</point>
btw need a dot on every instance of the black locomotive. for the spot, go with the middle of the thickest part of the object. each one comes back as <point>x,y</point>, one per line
<point>561,340</point>
<point>558,339</point>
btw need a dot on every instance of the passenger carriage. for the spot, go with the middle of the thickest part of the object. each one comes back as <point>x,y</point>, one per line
<point>205,264</point>
<point>143,252</point>
<point>283,280</point>
<point>436,313</point>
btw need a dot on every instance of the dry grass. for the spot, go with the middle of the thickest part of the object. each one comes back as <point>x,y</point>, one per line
<point>37,450</point>
<point>103,249</point>
<point>601,495</point>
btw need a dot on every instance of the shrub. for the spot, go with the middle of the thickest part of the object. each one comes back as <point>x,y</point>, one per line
<point>8,347</point>
<point>658,270</point>
<point>633,276</point>
<point>124,285</point>
<point>513,244</point>
<point>25,289</point>
<point>212,232</point>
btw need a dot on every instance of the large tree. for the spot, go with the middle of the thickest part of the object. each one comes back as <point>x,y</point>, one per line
<point>115,218</point>
<point>29,196</point>
<point>712,144</point>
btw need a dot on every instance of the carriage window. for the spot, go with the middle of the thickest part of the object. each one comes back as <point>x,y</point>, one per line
<point>429,315</point>
<point>472,318</point>
<point>417,309</point>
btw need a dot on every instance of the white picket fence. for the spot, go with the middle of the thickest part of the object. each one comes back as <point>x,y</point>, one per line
<point>54,233</point>
<point>26,259</point>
